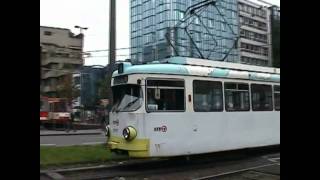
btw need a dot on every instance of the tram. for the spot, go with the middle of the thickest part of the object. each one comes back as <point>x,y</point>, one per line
<point>44,109</point>
<point>54,111</point>
<point>184,106</point>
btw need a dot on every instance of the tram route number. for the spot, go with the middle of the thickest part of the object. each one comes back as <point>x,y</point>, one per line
<point>161,129</point>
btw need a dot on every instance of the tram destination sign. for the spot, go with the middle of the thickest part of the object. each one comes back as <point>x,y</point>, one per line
<point>120,80</point>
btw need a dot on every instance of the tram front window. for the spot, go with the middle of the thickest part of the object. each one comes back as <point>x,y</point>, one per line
<point>60,107</point>
<point>127,98</point>
<point>42,106</point>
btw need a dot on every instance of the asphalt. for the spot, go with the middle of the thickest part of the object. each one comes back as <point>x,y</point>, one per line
<point>72,140</point>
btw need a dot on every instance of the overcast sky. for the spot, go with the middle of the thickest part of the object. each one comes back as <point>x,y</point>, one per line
<point>93,14</point>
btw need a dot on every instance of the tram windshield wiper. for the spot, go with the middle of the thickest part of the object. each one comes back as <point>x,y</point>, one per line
<point>130,103</point>
<point>126,98</point>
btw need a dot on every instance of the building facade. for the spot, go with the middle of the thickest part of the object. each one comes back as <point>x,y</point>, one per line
<point>61,55</point>
<point>255,34</point>
<point>212,34</point>
<point>86,81</point>
<point>275,12</point>
<point>275,35</point>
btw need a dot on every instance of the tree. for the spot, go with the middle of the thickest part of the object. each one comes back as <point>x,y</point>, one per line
<point>75,92</point>
<point>65,89</point>
<point>103,86</point>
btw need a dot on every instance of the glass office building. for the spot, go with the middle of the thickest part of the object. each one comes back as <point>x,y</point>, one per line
<point>211,35</point>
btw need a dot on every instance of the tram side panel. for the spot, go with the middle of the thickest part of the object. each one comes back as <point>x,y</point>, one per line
<point>236,130</point>
<point>174,134</point>
<point>170,133</point>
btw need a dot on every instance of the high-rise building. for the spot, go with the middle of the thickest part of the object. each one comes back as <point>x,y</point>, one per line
<point>87,82</point>
<point>211,35</point>
<point>275,35</point>
<point>61,55</point>
<point>255,39</point>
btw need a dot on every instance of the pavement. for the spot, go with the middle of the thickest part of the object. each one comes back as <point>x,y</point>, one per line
<point>85,134</point>
<point>62,132</point>
<point>79,137</point>
<point>72,140</point>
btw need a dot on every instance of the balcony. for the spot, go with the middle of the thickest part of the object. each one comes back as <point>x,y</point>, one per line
<point>62,60</point>
<point>53,74</point>
<point>255,17</point>
<point>254,55</point>
<point>49,89</point>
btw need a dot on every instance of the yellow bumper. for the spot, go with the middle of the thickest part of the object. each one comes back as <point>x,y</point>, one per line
<point>135,148</point>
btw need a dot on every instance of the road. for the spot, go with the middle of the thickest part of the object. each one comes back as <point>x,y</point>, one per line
<point>67,140</point>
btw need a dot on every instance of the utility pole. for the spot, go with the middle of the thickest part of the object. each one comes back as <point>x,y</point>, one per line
<point>112,46</point>
<point>81,79</point>
<point>40,63</point>
<point>82,37</point>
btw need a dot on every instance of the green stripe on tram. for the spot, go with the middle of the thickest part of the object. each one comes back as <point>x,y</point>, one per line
<point>180,69</point>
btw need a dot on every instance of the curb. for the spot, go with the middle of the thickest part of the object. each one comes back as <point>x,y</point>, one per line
<point>72,134</point>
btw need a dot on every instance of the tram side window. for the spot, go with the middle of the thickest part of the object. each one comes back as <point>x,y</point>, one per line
<point>261,97</point>
<point>236,97</point>
<point>59,107</point>
<point>165,95</point>
<point>207,96</point>
<point>276,91</point>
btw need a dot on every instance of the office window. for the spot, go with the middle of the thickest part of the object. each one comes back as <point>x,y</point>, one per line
<point>242,32</point>
<point>207,96</point>
<point>161,34</point>
<point>165,95</point>
<point>263,13</point>
<point>223,26</point>
<point>261,97</point>
<point>276,94</point>
<point>236,96</point>
<point>47,33</point>
<point>241,7</point>
<point>211,23</point>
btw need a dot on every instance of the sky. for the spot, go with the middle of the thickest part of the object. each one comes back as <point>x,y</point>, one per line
<point>93,14</point>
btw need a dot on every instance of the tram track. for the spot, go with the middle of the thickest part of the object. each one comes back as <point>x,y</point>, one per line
<point>251,169</point>
<point>138,175</point>
<point>208,166</point>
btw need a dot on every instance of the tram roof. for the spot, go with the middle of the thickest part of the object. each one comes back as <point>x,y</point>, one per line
<point>199,67</point>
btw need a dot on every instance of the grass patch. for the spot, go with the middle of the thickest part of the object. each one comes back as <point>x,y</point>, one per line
<point>67,155</point>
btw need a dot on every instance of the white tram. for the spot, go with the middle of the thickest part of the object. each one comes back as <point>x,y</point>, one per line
<point>187,106</point>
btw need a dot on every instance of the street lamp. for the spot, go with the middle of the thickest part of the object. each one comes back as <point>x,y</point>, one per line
<point>81,28</point>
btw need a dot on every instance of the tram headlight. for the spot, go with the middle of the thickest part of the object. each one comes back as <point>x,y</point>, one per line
<point>107,131</point>
<point>129,133</point>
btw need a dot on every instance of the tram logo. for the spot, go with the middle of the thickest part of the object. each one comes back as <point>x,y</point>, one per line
<point>161,129</point>
<point>116,122</point>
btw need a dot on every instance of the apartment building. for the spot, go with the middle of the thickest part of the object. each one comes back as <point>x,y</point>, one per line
<point>61,55</point>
